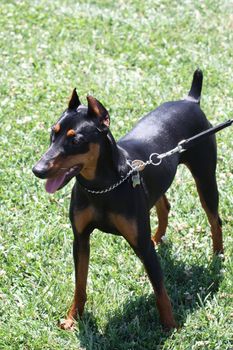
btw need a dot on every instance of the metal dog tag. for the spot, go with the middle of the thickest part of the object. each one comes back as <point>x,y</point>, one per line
<point>136,179</point>
<point>138,164</point>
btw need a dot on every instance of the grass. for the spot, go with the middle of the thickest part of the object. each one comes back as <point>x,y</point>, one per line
<point>132,56</point>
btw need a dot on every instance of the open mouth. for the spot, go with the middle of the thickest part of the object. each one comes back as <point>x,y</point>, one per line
<point>60,180</point>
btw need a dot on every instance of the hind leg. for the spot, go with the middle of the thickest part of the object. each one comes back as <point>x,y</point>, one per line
<point>162,209</point>
<point>208,193</point>
<point>202,164</point>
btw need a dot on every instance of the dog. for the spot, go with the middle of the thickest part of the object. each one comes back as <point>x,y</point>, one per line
<point>105,197</point>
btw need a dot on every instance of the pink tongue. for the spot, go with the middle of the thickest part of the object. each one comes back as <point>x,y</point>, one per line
<point>53,184</point>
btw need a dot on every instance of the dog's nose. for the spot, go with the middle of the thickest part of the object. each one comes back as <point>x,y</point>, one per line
<point>40,171</point>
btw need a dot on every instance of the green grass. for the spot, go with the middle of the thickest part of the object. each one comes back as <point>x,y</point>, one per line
<point>132,55</point>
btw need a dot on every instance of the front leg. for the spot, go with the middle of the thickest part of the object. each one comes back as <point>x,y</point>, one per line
<point>81,252</point>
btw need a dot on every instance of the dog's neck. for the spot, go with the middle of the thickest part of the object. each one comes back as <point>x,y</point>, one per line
<point>108,168</point>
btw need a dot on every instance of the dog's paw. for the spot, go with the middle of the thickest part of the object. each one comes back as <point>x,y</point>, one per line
<point>159,240</point>
<point>68,324</point>
<point>167,327</point>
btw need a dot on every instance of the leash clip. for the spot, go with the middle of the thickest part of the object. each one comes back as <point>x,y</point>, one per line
<point>180,147</point>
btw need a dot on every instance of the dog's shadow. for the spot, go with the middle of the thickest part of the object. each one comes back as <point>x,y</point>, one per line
<point>136,326</point>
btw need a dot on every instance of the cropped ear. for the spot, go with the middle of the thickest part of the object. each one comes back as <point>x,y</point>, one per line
<point>74,101</point>
<point>96,109</point>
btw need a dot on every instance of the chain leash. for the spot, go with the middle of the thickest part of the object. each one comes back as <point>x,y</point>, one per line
<point>138,165</point>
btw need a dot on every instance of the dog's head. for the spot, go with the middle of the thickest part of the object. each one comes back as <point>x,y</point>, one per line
<point>74,143</point>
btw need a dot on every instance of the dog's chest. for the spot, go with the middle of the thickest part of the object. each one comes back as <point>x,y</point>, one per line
<point>103,220</point>
<point>94,216</point>
<point>110,212</point>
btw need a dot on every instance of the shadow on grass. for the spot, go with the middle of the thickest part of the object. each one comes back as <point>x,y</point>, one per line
<point>137,325</point>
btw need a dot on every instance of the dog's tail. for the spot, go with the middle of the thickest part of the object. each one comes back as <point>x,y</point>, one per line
<point>194,94</point>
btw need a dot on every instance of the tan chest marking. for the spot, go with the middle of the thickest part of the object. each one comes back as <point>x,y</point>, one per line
<point>128,228</point>
<point>82,218</point>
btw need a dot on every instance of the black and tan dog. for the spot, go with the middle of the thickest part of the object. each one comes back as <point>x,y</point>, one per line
<point>83,146</point>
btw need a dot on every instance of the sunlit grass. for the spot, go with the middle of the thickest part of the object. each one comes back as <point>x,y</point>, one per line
<point>132,56</point>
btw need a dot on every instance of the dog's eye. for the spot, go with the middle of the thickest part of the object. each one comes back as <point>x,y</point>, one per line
<point>76,144</point>
<point>78,139</point>
<point>74,140</point>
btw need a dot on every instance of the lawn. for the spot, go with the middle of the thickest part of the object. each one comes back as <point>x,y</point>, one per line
<point>131,55</point>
